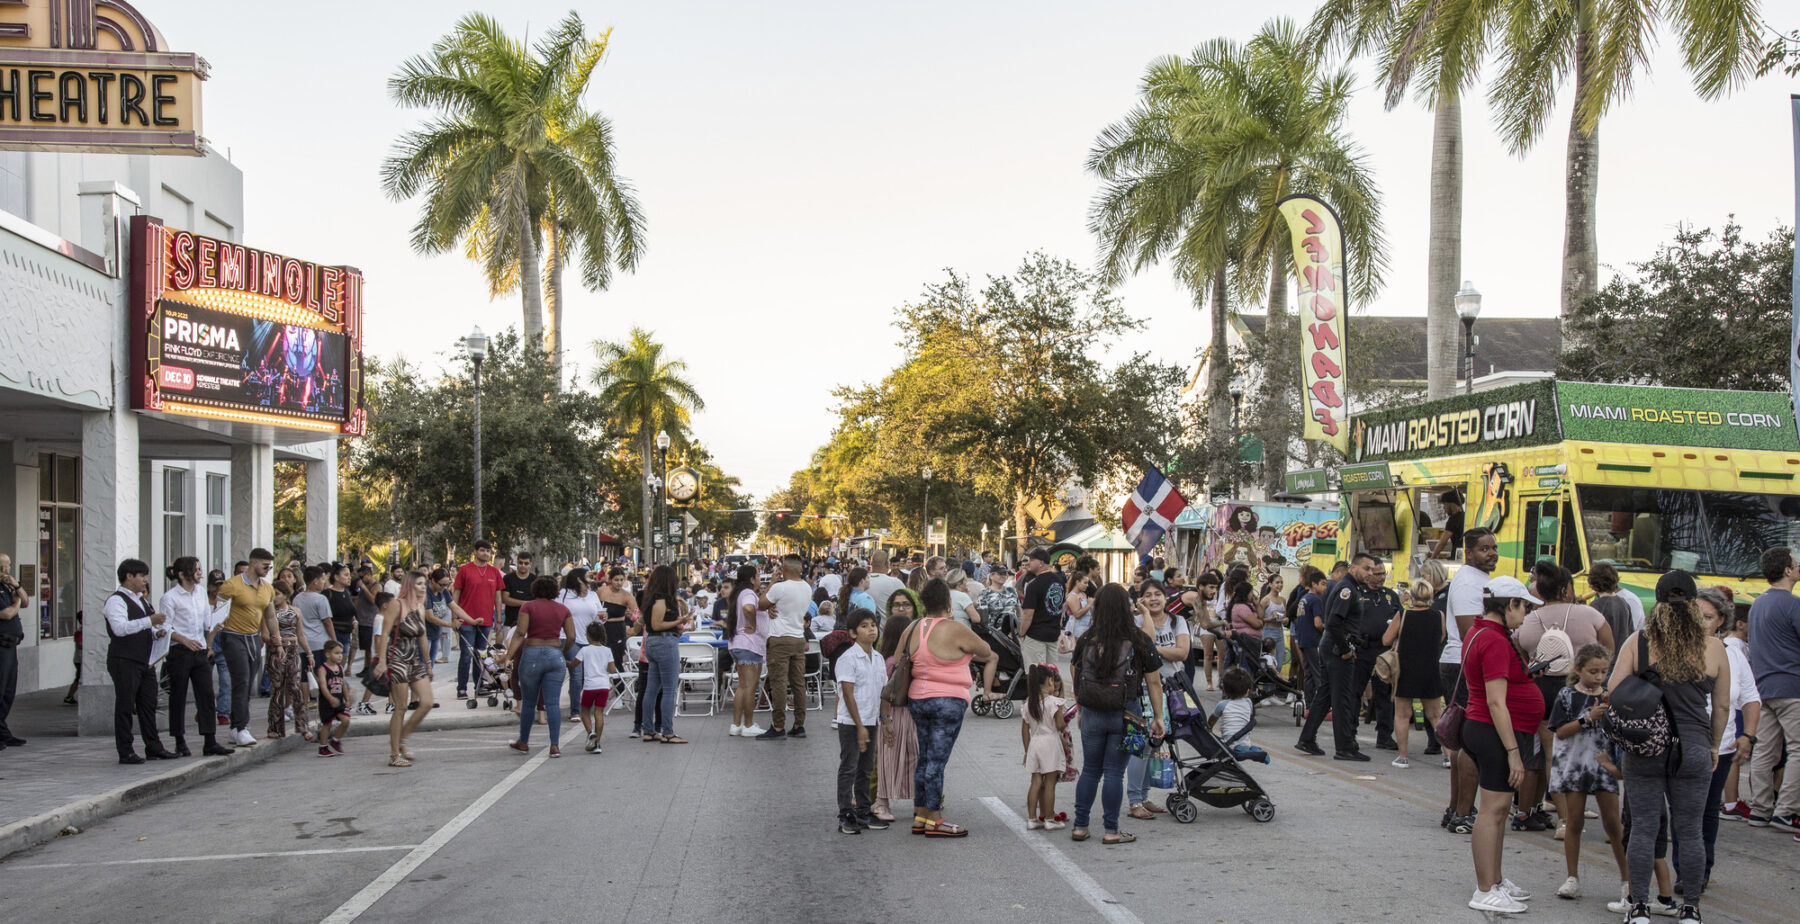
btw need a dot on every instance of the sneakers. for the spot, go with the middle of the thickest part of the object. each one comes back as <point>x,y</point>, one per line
<point>326,751</point>
<point>337,745</point>
<point>773,734</point>
<point>1034,824</point>
<point>388,710</point>
<point>1624,903</point>
<point>1512,889</point>
<point>1350,755</point>
<point>1463,825</point>
<point>555,751</point>
<point>1402,763</point>
<point>1790,822</point>
<point>735,731</point>
<point>1496,901</point>
<point>243,739</point>
<point>366,709</point>
<point>593,743</point>
<point>1530,821</point>
<point>1444,822</point>
<point>1738,810</point>
<point>1690,915</point>
<point>1756,821</point>
<point>1562,830</point>
<point>847,825</point>
<point>1051,824</point>
<point>1387,744</point>
<point>1664,907</point>
<point>871,822</point>
<point>1639,913</point>
<point>1433,750</point>
<point>1310,748</point>
<point>1571,888</point>
<point>798,731</point>
<point>752,730</point>
<point>1446,761</point>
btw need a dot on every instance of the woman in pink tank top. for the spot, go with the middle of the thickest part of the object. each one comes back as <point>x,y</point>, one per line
<point>939,696</point>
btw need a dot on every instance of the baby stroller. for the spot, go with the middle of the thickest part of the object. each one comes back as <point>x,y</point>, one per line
<point>492,680</point>
<point>1267,681</point>
<point>1009,674</point>
<point>1214,776</point>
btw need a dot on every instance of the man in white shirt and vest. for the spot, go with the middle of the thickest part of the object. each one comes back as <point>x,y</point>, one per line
<point>131,629</point>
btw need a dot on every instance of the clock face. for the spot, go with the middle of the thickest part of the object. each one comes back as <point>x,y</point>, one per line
<point>683,486</point>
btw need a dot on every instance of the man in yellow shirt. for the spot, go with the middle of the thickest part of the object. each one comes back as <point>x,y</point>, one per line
<point>248,623</point>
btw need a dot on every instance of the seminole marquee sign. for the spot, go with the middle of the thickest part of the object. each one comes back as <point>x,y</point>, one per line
<point>95,76</point>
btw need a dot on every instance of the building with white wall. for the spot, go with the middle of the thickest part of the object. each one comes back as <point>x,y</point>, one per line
<point>86,480</point>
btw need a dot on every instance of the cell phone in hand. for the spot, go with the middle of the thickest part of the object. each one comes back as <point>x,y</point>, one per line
<point>1537,667</point>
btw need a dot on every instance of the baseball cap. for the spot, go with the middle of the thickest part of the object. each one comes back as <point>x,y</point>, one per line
<point>1676,585</point>
<point>1510,587</point>
<point>1042,555</point>
<point>215,577</point>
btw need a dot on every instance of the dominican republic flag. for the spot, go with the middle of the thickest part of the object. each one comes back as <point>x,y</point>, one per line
<point>1150,509</point>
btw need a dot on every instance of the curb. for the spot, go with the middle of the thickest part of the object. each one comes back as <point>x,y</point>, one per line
<point>82,813</point>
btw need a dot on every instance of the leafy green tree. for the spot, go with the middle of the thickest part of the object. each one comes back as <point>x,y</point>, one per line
<point>541,449</point>
<point>645,392</point>
<point>1600,47</point>
<point>1707,311</point>
<point>514,155</point>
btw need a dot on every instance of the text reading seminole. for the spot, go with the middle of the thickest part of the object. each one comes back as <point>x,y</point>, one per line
<point>195,261</point>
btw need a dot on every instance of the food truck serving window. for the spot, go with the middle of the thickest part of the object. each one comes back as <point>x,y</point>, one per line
<point>1706,532</point>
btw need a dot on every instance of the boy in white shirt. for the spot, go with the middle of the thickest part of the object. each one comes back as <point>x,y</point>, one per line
<point>595,661</point>
<point>861,672</point>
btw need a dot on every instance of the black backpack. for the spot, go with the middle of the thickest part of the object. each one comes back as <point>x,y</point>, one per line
<point>1109,690</point>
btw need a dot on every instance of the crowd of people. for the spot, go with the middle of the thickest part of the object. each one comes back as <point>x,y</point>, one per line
<point>1527,693</point>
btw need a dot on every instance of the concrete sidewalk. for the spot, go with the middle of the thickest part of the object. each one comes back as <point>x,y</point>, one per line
<point>59,781</point>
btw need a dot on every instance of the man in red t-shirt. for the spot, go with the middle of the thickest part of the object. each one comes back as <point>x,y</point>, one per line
<point>477,590</point>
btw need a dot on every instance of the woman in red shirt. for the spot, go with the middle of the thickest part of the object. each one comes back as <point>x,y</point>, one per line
<point>1499,731</point>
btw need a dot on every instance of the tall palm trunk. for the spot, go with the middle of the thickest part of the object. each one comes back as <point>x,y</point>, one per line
<point>644,483</point>
<point>1218,383</point>
<point>1581,255</point>
<point>1443,262</point>
<point>531,286</point>
<point>553,301</point>
<point>1280,381</point>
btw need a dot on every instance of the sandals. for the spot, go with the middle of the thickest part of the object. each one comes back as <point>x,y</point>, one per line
<point>673,739</point>
<point>919,824</point>
<point>398,761</point>
<point>1141,812</point>
<point>1122,837</point>
<point>1154,808</point>
<point>404,752</point>
<point>656,739</point>
<point>939,829</point>
<point>1079,834</point>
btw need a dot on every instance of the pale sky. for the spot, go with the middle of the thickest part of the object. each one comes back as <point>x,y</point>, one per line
<point>806,167</point>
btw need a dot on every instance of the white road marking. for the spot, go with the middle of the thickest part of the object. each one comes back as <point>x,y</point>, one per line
<point>1084,885</point>
<point>217,856</point>
<point>372,893</point>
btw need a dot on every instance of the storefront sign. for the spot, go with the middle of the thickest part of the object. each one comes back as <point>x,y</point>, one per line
<point>225,331</point>
<point>1521,415</point>
<point>94,76</point>
<point>1365,476</point>
<point>1318,242</point>
<point>1676,416</point>
<point>1307,481</point>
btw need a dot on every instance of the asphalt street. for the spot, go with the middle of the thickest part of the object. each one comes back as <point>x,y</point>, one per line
<point>729,829</point>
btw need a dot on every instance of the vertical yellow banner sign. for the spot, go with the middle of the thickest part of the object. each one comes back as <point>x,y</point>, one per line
<point>1319,272</point>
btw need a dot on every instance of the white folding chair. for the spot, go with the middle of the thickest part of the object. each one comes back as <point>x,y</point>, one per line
<point>815,679</point>
<point>624,686</point>
<point>698,665</point>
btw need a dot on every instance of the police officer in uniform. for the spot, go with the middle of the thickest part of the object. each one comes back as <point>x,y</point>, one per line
<point>1357,609</point>
<point>1379,604</point>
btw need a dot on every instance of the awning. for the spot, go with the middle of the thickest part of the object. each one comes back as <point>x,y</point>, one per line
<point>1098,538</point>
<point>1192,518</point>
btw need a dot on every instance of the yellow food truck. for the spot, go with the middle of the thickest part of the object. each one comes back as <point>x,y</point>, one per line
<point>1650,479</point>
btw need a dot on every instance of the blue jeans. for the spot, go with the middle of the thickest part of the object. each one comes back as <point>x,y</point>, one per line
<point>663,678</point>
<point>473,637</point>
<point>1102,755</point>
<point>577,678</point>
<point>938,721</point>
<point>1137,777</point>
<point>541,672</point>
<point>435,633</point>
<point>221,677</point>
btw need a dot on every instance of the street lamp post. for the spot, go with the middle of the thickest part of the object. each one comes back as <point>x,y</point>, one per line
<point>1468,308</point>
<point>1236,388</point>
<point>925,537</point>
<point>662,504</point>
<point>650,544</point>
<point>477,346</point>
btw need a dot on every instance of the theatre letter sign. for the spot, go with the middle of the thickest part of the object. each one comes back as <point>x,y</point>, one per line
<point>94,76</point>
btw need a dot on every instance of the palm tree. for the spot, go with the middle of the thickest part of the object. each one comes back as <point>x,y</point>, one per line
<point>1441,43</point>
<point>1154,166</point>
<point>646,393</point>
<point>1277,130</point>
<point>1604,46</point>
<point>514,156</point>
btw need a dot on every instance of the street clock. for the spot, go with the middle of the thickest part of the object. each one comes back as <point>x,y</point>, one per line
<point>684,485</point>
